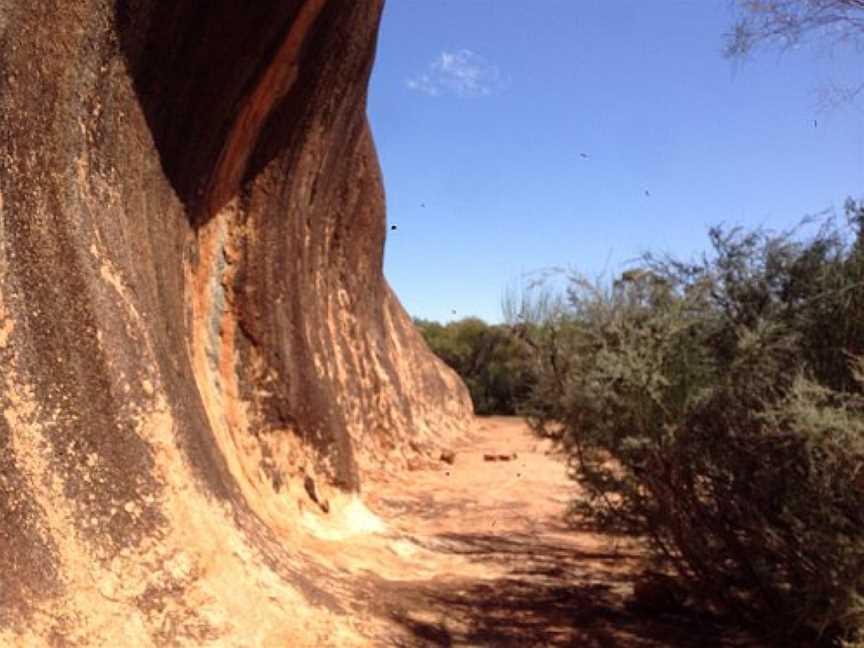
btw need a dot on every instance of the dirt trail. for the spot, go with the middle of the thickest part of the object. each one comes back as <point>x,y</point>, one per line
<point>489,561</point>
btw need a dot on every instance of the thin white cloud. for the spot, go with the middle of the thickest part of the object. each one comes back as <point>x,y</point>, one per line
<point>462,73</point>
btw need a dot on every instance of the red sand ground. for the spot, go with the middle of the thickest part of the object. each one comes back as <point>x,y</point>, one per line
<point>489,560</point>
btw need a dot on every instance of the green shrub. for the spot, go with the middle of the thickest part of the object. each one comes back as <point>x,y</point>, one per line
<point>491,362</point>
<point>716,409</point>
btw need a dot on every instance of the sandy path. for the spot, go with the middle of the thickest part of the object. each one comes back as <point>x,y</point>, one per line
<point>500,567</point>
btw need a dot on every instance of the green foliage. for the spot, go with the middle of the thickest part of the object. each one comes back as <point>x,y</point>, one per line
<point>716,408</point>
<point>491,362</point>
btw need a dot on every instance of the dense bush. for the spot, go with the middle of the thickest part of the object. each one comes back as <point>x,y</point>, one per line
<point>716,408</point>
<point>490,361</point>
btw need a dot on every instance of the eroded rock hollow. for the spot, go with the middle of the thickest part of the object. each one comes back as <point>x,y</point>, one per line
<point>198,348</point>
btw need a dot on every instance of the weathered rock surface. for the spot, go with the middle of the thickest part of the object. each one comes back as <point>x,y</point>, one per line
<point>193,315</point>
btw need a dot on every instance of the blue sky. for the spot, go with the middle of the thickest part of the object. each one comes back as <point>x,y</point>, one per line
<point>482,109</point>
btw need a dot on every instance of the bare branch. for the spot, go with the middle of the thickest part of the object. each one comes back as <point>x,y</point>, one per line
<point>785,23</point>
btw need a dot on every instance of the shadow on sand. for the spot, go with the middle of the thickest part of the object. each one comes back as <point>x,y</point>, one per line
<point>552,595</point>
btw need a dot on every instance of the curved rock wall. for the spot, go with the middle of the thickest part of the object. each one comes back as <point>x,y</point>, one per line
<point>195,332</point>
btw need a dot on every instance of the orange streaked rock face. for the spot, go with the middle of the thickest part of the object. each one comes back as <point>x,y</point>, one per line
<point>193,317</point>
